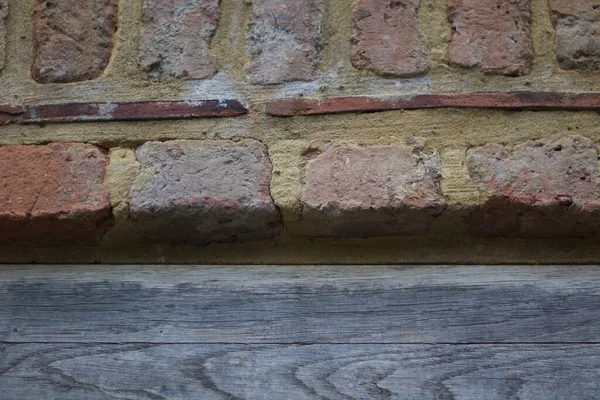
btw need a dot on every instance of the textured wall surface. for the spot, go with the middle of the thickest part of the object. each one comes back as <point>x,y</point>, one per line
<point>313,131</point>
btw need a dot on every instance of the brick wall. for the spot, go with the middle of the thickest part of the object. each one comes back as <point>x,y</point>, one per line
<point>301,131</point>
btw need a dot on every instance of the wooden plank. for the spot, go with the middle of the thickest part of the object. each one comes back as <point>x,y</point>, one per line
<point>294,304</point>
<point>171,371</point>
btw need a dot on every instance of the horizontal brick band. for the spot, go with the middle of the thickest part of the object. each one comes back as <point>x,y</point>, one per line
<point>497,100</point>
<point>90,112</point>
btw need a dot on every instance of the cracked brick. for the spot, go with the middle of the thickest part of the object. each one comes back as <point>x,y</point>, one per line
<point>73,39</point>
<point>53,192</point>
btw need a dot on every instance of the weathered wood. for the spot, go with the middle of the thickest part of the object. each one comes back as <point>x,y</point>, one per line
<point>145,371</point>
<point>325,304</point>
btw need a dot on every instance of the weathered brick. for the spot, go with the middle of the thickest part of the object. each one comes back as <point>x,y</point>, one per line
<point>3,15</point>
<point>204,191</point>
<point>373,191</point>
<point>73,39</point>
<point>53,192</point>
<point>175,38</point>
<point>577,24</point>
<point>284,40</point>
<point>386,38</point>
<point>492,36</point>
<point>538,189</point>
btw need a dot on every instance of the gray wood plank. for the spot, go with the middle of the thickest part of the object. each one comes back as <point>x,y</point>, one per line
<point>294,304</point>
<point>290,372</point>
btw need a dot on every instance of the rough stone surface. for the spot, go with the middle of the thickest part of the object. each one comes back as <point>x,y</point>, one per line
<point>204,191</point>
<point>538,189</point>
<point>73,39</point>
<point>3,15</point>
<point>175,38</point>
<point>284,40</point>
<point>373,191</point>
<point>492,36</point>
<point>577,24</point>
<point>53,192</point>
<point>386,38</point>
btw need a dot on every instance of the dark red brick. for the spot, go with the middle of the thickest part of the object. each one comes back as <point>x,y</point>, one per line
<point>53,192</point>
<point>73,39</point>
<point>175,38</point>
<point>538,189</point>
<point>492,36</point>
<point>386,38</point>
<point>577,24</point>
<point>204,191</point>
<point>373,191</point>
<point>284,40</point>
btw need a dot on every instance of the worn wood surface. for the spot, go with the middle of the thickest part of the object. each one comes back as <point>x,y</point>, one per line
<point>298,332</point>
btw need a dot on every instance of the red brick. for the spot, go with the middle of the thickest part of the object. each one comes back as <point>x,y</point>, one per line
<point>204,191</point>
<point>53,192</point>
<point>73,39</point>
<point>373,191</point>
<point>284,40</point>
<point>3,15</point>
<point>386,38</point>
<point>538,189</point>
<point>577,24</point>
<point>494,100</point>
<point>492,36</point>
<point>175,38</point>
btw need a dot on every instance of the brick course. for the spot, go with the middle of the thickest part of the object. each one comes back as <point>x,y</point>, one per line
<point>204,191</point>
<point>577,24</point>
<point>284,40</point>
<point>539,189</point>
<point>386,38</point>
<point>374,191</point>
<point>73,39</point>
<point>492,36</point>
<point>53,192</point>
<point>175,38</point>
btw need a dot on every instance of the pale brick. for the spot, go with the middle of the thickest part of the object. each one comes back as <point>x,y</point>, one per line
<point>284,40</point>
<point>492,36</point>
<point>73,39</point>
<point>175,38</point>
<point>204,191</point>
<point>373,191</point>
<point>538,189</point>
<point>53,192</point>
<point>386,38</point>
<point>577,24</point>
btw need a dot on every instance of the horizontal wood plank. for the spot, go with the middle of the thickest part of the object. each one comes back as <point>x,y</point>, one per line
<point>211,371</point>
<point>299,304</point>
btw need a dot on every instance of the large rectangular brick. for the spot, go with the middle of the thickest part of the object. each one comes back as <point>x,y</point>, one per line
<point>386,38</point>
<point>284,40</point>
<point>538,189</point>
<point>492,36</point>
<point>73,39</point>
<point>53,192</point>
<point>373,191</point>
<point>3,15</point>
<point>204,191</point>
<point>577,24</point>
<point>175,38</point>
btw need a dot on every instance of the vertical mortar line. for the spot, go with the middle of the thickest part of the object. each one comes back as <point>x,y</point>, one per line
<point>542,35</point>
<point>124,59</point>
<point>337,30</point>
<point>436,31</point>
<point>19,45</point>
<point>229,41</point>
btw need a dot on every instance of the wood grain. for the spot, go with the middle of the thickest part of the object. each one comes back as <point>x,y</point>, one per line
<point>290,372</point>
<point>322,304</point>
